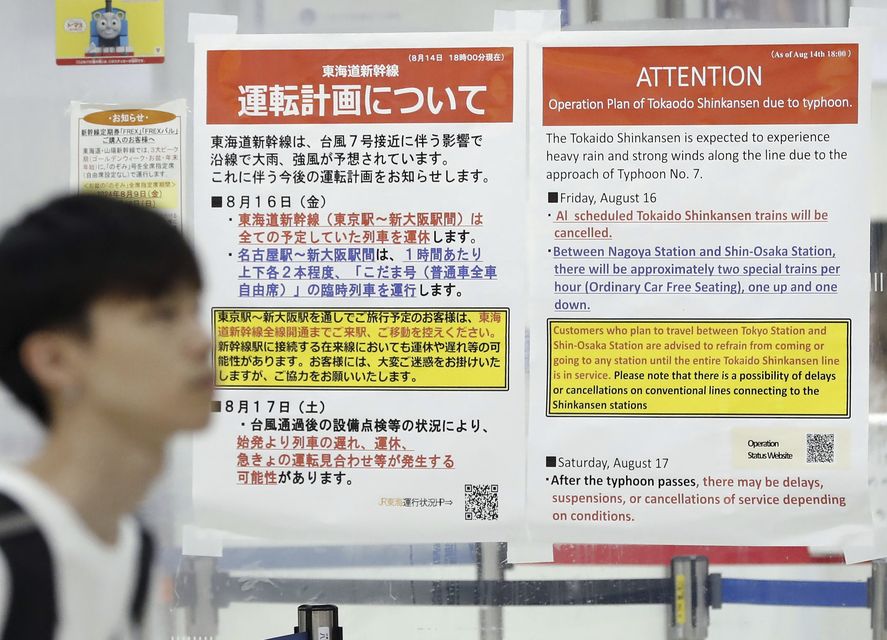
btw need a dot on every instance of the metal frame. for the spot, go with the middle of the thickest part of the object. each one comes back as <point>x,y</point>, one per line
<point>690,592</point>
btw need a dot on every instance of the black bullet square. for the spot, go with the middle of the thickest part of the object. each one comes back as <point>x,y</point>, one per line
<point>216,406</point>
<point>550,461</point>
<point>217,202</point>
<point>552,196</point>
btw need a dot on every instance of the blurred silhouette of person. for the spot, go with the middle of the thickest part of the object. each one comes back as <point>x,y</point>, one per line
<point>100,339</point>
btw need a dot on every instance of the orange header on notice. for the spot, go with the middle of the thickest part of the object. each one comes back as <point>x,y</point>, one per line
<point>360,86</point>
<point>732,84</point>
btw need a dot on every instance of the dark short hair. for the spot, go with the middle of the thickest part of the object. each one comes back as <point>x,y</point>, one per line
<point>61,258</point>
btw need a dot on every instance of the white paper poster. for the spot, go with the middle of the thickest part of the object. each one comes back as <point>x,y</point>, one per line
<point>360,218</point>
<point>699,307</point>
<point>131,153</point>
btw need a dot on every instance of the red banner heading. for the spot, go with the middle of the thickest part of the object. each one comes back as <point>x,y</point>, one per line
<point>735,84</point>
<point>360,86</point>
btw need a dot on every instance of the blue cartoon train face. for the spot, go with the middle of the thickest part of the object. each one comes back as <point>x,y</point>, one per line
<point>109,32</point>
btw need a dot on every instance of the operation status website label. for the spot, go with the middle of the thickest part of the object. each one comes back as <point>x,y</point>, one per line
<point>359,215</point>
<point>699,310</point>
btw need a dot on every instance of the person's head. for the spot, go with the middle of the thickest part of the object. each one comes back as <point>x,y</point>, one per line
<point>100,315</point>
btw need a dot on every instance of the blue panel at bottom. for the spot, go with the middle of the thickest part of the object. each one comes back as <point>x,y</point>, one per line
<point>793,593</point>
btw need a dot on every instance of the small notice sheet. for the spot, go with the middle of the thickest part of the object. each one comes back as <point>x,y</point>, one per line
<point>91,32</point>
<point>132,153</point>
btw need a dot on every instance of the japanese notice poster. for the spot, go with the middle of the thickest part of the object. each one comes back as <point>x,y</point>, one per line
<point>360,217</point>
<point>109,32</point>
<point>132,153</point>
<point>699,295</point>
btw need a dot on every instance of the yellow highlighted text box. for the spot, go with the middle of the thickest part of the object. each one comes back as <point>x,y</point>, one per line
<point>361,348</point>
<point>690,367</point>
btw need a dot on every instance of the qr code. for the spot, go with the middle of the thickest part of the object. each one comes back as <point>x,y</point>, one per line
<point>481,501</point>
<point>820,447</point>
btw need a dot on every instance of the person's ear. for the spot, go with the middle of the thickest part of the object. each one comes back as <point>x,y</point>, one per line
<point>53,359</point>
